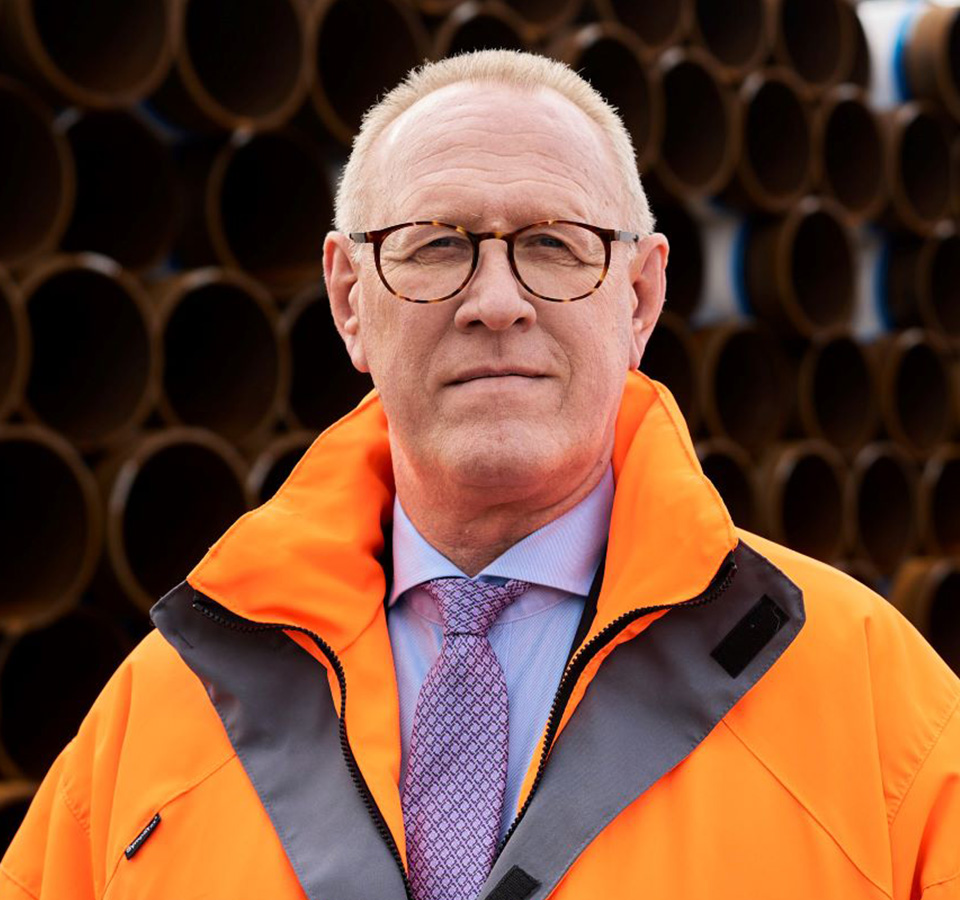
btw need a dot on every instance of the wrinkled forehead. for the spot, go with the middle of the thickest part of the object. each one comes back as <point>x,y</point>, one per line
<point>494,152</point>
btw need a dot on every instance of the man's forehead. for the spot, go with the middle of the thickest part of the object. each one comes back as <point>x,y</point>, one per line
<point>468,149</point>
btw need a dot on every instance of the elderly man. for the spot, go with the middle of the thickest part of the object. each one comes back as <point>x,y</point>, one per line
<point>497,636</point>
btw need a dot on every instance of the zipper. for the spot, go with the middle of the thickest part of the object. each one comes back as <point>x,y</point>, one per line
<point>219,614</point>
<point>718,584</point>
<point>228,619</point>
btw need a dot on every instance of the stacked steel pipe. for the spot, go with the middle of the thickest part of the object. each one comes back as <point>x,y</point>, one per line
<point>167,354</point>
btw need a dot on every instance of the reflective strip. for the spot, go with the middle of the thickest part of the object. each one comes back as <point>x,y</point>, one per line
<point>275,703</point>
<point>652,701</point>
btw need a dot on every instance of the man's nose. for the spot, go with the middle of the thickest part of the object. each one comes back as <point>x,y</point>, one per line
<point>494,296</point>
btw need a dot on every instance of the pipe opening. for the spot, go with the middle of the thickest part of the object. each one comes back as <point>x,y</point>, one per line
<point>812,33</point>
<point>616,72</point>
<point>812,508</point>
<point>747,388</point>
<point>182,498</point>
<point>943,293</point>
<point>49,679</point>
<point>731,31</point>
<point>668,358</point>
<point>922,396</point>
<point>945,619</point>
<point>12,352</point>
<point>361,46</point>
<point>731,477</point>
<point>924,166</point>
<point>696,128</point>
<point>222,367</point>
<point>945,508</point>
<point>482,31</point>
<point>843,394</point>
<point>275,240</point>
<point>885,511</point>
<point>105,45</point>
<point>686,258</point>
<point>821,270</point>
<point>248,56</point>
<point>853,155</point>
<point>92,354</point>
<point>778,139</point>
<point>126,190</point>
<point>324,384</point>
<point>33,191</point>
<point>656,24</point>
<point>46,519</point>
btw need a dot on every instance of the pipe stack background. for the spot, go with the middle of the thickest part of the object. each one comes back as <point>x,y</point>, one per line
<point>167,353</point>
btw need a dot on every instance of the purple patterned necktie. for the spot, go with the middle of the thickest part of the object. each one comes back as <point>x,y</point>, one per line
<point>457,767</point>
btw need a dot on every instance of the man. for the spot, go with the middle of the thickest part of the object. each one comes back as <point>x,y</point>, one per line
<point>497,636</point>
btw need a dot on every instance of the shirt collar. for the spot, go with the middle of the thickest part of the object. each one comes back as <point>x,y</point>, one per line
<point>563,554</point>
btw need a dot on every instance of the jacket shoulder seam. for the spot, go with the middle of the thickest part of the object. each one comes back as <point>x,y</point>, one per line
<point>808,811</point>
<point>938,733</point>
<point>940,882</point>
<point>72,805</point>
<point>164,805</point>
<point>16,881</point>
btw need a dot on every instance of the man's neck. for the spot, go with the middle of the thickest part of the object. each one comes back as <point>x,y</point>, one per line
<point>472,532</point>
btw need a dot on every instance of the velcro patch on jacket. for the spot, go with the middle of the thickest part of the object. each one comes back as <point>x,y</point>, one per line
<point>749,636</point>
<point>515,885</point>
<point>138,841</point>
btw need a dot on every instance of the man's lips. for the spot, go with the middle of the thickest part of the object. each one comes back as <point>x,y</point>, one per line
<point>474,374</point>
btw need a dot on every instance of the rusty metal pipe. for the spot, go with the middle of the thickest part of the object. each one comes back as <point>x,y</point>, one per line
<point>814,38</point>
<point>701,138</point>
<point>940,502</point>
<point>100,54</point>
<point>239,210</point>
<point>775,166</point>
<point>481,25</point>
<point>801,495</point>
<point>881,504</point>
<point>355,47</point>
<point>38,176</point>
<point>94,375</point>
<point>274,463</point>
<point>324,385</point>
<point>128,204</point>
<point>616,63</point>
<point>836,395</point>
<point>168,496</point>
<point>736,34</point>
<point>51,524</point>
<point>917,389</point>
<point>731,470</point>
<point>14,345</point>
<point>543,18</point>
<point>226,364</point>
<point>253,74</point>
<point>49,677</point>
<point>927,591</point>
<point>848,152</point>
<point>800,269</point>
<point>669,357</point>
<point>743,389</point>
<point>658,25</point>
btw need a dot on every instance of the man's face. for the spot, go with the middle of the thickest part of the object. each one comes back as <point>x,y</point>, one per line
<point>494,158</point>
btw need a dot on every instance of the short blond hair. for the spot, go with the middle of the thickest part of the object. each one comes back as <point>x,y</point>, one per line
<point>525,71</point>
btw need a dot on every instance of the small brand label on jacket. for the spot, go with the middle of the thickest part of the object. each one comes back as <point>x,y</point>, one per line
<point>138,841</point>
<point>749,636</point>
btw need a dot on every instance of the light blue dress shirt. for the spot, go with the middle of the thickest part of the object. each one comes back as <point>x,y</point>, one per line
<point>532,637</point>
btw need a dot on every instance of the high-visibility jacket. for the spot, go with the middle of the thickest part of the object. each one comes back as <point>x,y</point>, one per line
<point>738,720</point>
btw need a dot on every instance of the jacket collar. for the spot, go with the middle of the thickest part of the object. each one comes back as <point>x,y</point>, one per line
<point>311,555</point>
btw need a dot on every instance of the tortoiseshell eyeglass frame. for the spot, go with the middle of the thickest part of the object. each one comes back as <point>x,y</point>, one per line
<point>607,235</point>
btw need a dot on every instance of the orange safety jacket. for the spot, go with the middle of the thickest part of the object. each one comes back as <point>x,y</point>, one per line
<point>738,720</point>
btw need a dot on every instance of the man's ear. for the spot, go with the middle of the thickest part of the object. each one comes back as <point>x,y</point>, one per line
<point>343,291</point>
<point>648,283</point>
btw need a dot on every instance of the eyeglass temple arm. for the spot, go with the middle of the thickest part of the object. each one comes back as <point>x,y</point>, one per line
<point>624,236</point>
<point>359,237</point>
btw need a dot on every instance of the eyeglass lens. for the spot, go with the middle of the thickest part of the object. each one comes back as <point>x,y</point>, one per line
<point>430,262</point>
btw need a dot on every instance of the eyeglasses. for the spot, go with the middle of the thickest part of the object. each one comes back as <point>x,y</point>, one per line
<point>556,260</point>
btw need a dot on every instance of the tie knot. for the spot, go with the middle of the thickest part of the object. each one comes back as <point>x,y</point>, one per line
<point>471,607</point>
